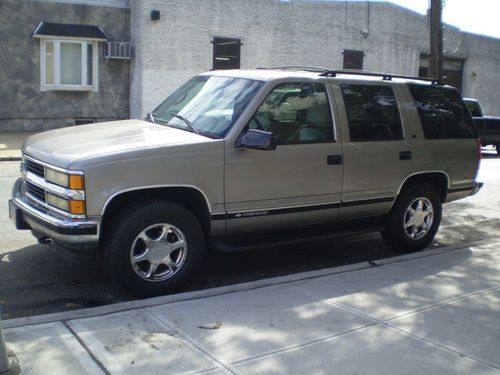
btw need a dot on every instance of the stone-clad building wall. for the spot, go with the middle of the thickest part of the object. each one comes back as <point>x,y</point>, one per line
<point>22,105</point>
<point>296,32</point>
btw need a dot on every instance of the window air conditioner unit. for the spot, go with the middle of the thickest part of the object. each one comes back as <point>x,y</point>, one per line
<point>117,50</point>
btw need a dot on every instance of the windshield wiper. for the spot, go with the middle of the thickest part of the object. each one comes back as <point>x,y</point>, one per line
<point>186,121</point>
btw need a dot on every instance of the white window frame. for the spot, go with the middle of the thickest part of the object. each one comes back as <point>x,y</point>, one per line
<point>57,85</point>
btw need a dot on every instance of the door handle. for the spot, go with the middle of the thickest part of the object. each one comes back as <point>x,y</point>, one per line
<point>405,155</point>
<point>334,159</point>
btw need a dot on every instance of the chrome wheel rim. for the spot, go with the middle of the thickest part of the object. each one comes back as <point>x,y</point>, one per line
<point>418,218</point>
<point>158,252</point>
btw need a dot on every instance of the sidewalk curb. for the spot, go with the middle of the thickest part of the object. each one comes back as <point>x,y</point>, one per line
<point>10,158</point>
<point>180,297</point>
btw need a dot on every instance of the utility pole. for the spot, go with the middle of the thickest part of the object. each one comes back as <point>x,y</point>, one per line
<point>4,359</point>
<point>436,60</point>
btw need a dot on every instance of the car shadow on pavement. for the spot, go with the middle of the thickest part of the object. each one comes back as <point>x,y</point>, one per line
<point>34,280</point>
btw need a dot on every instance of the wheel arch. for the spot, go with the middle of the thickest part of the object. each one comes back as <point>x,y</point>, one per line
<point>438,179</point>
<point>189,196</point>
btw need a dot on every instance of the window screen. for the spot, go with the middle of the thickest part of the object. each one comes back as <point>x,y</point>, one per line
<point>372,113</point>
<point>442,112</point>
<point>227,53</point>
<point>353,59</point>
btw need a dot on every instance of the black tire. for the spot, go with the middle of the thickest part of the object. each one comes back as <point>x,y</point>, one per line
<point>157,215</point>
<point>395,232</point>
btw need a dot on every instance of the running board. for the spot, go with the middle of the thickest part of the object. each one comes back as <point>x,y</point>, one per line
<point>263,240</point>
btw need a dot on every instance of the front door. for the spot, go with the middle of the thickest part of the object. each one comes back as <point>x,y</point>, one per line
<point>300,181</point>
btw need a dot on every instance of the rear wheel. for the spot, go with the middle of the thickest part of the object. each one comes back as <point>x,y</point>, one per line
<point>414,219</point>
<point>154,247</point>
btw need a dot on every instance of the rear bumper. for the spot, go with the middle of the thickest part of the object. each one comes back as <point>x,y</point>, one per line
<point>463,192</point>
<point>477,186</point>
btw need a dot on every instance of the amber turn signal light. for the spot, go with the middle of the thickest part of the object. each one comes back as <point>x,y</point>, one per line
<point>76,182</point>
<point>77,207</point>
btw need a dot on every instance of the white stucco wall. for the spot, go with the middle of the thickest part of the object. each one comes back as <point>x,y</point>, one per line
<point>295,32</point>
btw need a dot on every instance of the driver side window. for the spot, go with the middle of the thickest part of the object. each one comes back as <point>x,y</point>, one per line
<point>296,113</point>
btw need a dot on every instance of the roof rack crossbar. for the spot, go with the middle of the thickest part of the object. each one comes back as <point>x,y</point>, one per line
<point>385,76</point>
<point>315,69</point>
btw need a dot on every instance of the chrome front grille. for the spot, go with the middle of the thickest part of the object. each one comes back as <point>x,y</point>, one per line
<point>34,168</point>
<point>35,191</point>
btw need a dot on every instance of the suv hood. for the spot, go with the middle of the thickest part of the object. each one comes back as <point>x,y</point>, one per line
<point>62,147</point>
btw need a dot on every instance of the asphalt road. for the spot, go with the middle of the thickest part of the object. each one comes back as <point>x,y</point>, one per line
<point>34,281</point>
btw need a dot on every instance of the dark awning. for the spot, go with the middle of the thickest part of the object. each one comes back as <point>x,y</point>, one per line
<point>46,29</point>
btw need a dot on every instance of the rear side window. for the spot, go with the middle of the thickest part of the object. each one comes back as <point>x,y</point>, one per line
<point>372,113</point>
<point>474,108</point>
<point>442,113</point>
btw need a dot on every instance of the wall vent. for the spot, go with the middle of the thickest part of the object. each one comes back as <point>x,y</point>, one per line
<point>117,50</point>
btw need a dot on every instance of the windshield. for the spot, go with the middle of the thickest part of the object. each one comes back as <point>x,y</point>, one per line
<point>207,105</point>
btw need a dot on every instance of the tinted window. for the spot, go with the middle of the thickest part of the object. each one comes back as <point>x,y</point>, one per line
<point>442,113</point>
<point>474,107</point>
<point>372,113</point>
<point>296,113</point>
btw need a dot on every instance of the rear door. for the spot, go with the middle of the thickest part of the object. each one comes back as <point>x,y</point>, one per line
<point>377,153</point>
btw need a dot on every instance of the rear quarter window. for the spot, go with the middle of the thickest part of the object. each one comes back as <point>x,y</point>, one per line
<point>442,112</point>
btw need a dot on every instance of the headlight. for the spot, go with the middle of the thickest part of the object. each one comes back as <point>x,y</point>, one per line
<point>75,207</point>
<point>58,202</point>
<point>71,181</point>
<point>56,177</point>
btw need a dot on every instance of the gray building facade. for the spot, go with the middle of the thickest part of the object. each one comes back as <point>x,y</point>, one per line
<point>298,32</point>
<point>171,40</point>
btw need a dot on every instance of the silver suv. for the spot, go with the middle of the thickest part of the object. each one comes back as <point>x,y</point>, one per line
<point>250,158</point>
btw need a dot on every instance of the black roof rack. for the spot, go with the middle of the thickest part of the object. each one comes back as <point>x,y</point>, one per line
<point>314,69</point>
<point>385,76</point>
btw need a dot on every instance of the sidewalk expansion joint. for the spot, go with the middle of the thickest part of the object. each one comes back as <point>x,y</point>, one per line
<point>304,344</point>
<point>389,325</point>
<point>87,349</point>
<point>448,301</point>
<point>193,343</point>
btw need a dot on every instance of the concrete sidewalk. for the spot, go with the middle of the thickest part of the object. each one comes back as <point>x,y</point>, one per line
<point>434,312</point>
<point>10,145</point>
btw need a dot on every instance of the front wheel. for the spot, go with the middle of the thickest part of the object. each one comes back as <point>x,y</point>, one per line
<point>414,220</point>
<point>154,247</point>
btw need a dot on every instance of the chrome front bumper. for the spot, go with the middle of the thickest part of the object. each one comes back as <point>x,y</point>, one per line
<point>65,231</point>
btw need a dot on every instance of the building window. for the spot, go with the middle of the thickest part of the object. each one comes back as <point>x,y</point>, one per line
<point>353,59</point>
<point>452,70</point>
<point>227,52</point>
<point>68,64</point>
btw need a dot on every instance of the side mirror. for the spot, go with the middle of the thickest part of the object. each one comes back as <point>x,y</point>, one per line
<point>257,140</point>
